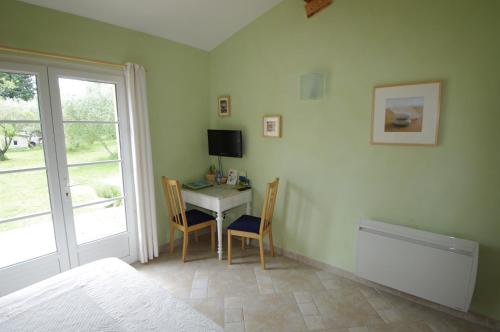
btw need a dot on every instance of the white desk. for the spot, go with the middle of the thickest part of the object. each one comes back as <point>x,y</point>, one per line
<point>219,199</point>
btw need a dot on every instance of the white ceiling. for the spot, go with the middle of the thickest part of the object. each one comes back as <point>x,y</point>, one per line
<point>199,23</point>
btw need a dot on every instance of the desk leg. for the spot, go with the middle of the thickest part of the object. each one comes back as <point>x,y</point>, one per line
<point>248,212</point>
<point>219,233</point>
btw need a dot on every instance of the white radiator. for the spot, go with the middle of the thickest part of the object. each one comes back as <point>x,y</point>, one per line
<point>435,267</point>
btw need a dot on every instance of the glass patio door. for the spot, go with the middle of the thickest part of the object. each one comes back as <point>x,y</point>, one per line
<point>66,188</point>
<point>32,229</point>
<point>91,130</point>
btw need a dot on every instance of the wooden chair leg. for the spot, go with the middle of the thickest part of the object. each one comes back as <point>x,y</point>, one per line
<point>196,236</point>
<point>229,245</point>
<point>172,231</point>
<point>271,243</point>
<point>212,231</point>
<point>242,243</point>
<point>261,246</point>
<point>185,242</point>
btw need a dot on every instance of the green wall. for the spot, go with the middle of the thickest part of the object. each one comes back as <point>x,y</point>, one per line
<point>177,80</point>
<point>330,175</point>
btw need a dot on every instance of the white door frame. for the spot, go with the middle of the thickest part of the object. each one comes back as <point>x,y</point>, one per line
<point>80,254</point>
<point>66,256</point>
<point>27,272</point>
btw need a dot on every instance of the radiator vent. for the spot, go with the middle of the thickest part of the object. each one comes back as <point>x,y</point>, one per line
<point>435,267</point>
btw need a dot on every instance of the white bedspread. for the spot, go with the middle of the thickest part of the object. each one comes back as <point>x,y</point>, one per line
<point>107,295</point>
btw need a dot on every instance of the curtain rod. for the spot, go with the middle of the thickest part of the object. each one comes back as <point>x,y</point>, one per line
<point>60,57</point>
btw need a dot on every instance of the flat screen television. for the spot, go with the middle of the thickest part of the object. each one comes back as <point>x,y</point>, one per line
<point>225,143</point>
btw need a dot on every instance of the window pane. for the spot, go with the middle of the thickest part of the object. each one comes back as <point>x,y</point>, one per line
<point>87,101</point>
<point>25,146</point>
<point>91,142</point>
<point>23,193</point>
<point>99,221</point>
<point>26,239</point>
<point>18,97</point>
<point>95,182</point>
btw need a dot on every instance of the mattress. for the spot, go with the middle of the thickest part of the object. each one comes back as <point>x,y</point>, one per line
<point>106,295</point>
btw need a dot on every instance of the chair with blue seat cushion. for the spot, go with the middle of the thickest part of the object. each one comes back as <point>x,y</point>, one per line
<point>254,227</point>
<point>182,220</point>
<point>246,223</point>
<point>195,217</point>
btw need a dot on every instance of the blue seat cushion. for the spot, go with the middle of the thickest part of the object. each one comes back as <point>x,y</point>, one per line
<point>246,223</point>
<point>195,217</point>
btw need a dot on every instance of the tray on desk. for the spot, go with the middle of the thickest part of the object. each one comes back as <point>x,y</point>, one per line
<point>196,185</point>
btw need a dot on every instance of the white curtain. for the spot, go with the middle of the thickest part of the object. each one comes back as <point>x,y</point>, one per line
<point>135,80</point>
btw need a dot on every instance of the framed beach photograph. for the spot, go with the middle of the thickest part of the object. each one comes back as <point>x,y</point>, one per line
<point>406,114</point>
<point>224,105</point>
<point>271,126</point>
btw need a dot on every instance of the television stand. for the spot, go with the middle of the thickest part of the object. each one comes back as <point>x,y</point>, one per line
<point>219,160</point>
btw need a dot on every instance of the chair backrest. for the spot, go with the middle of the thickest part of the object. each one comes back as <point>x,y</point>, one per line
<point>269,202</point>
<point>175,203</point>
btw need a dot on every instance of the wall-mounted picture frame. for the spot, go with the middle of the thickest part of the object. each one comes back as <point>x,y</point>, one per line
<point>271,126</point>
<point>406,113</point>
<point>224,105</point>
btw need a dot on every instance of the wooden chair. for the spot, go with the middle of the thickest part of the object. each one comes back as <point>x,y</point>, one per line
<point>182,220</point>
<point>256,228</point>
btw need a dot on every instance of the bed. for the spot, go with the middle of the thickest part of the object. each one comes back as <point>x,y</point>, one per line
<point>107,295</point>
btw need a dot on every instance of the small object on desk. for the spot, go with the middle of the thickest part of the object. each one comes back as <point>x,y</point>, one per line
<point>195,185</point>
<point>210,177</point>
<point>242,187</point>
<point>218,177</point>
<point>212,169</point>
<point>244,181</point>
<point>232,177</point>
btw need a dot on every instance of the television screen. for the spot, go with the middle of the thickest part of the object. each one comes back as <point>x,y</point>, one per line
<point>225,143</point>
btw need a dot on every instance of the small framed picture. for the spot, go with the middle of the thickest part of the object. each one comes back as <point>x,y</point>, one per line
<point>406,114</point>
<point>224,105</point>
<point>272,126</point>
<point>232,177</point>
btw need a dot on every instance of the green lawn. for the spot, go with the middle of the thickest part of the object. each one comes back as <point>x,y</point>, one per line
<point>26,158</point>
<point>26,192</point>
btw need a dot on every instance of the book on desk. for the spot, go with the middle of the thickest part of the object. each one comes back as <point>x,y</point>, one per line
<point>196,185</point>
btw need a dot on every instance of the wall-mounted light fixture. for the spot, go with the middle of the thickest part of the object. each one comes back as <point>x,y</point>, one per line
<point>312,86</point>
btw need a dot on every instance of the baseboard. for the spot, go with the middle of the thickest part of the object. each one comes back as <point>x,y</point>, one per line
<point>468,316</point>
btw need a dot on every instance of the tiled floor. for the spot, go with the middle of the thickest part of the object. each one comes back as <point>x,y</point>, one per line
<point>287,296</point>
